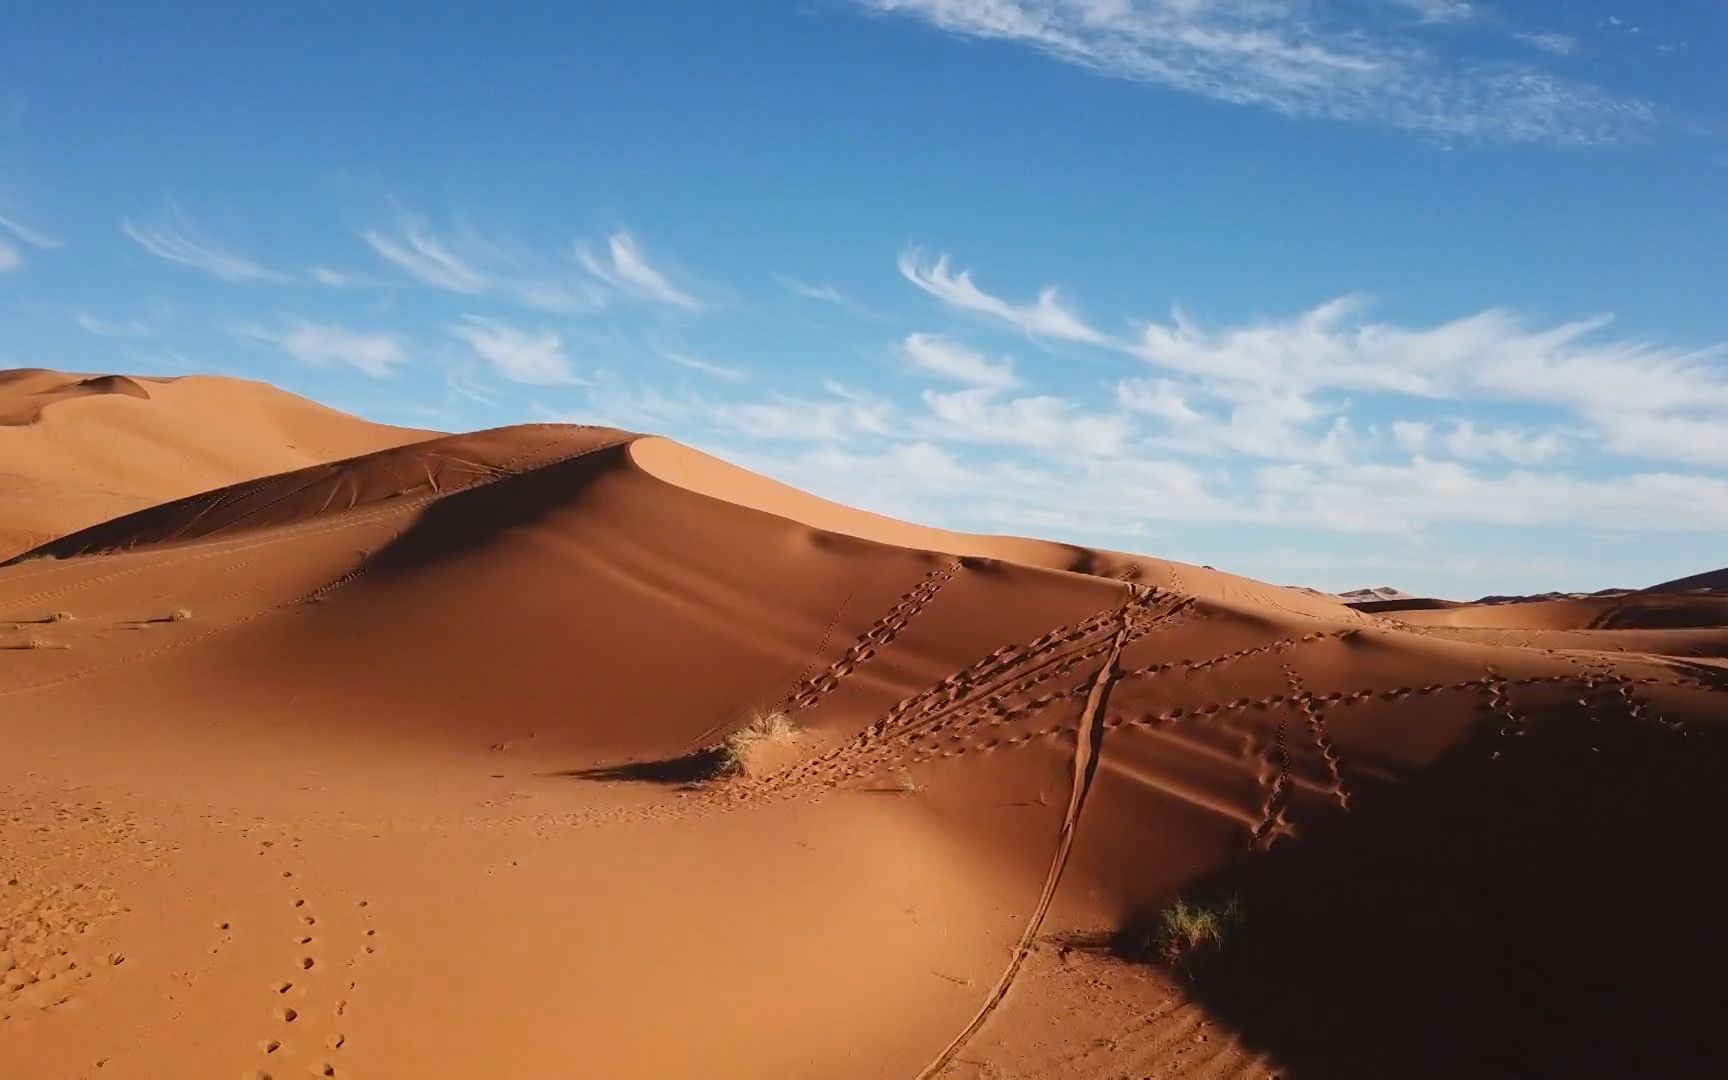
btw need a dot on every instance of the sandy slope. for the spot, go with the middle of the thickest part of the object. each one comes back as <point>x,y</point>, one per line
<point>79,449</point>
<point>383,769</point>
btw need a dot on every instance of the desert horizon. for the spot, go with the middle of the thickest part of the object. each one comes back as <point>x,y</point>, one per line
<point>515,752</point>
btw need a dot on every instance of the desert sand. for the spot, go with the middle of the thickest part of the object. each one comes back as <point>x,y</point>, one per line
<point>76,450</point>
<point>411,762</point>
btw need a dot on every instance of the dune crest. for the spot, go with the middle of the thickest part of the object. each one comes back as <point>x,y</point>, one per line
<point>80,449</point>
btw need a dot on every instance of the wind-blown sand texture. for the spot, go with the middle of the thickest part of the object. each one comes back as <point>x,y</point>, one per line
<point>395,767</point>
<point>76,450</point>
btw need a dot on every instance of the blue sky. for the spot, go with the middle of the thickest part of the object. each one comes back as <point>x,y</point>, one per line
<point>1336,292</point>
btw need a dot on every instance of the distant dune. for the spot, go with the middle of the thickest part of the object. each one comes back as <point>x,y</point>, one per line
<point>452,758</point>
<point>77,449</point>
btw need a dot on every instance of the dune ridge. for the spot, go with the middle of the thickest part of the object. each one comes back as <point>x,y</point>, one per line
<point>76,450</point>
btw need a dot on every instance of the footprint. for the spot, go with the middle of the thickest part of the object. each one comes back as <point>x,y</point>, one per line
<point>269,1046</point>
<point>286,1015</point>
<point>281,987</point>
<point>336,1041</point>
<point>306,963</point>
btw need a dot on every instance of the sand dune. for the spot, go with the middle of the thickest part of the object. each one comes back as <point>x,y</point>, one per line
<point>404,766</point>
<point>79,449</point>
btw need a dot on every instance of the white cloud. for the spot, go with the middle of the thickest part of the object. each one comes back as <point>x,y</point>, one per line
<point>826,293</point>
<point>336,279</point>
<point>1637,395</point>
<point>176,239</point>
<point>1325,58</point>
<point>533,357</point>
<point>624,267</point>
<point>325,345</point>
<point>706,367</point>
<point>1241,418</point>
<point>469,264</point>
<point>842,417</point>
<point>1548,41</point>
<point>1042,422</point>
<point>123,328</point>
<point>463,261</point>
<point>1440,11</point>
<point>1409,497</point>
<point>1467,442</point>
<point>936,355</point>
<point>10,258</point>
<point>1046,317</point>
<point>418,251</point>
<point>35,238</point>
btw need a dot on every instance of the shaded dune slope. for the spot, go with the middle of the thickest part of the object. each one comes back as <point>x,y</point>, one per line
<point>1434,837</point>
<point>79,449</point>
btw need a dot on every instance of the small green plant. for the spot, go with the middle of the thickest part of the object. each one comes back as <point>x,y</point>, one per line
<point>1183,936</point>
<point>740,751</point>
<point>1189,933</point>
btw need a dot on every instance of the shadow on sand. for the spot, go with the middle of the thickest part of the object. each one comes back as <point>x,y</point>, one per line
<point>1555,910</point>
<point>688,769</point>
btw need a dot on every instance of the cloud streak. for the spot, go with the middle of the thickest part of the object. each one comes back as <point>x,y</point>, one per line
<point>625,267</point>
<point>536,358</point>
<point>327,345</point>
<point>11,256</point>
<point>1046,317</point>
<point>1322,59</point>
<point>462,261</point>
<point>176,239</point>
<point>935,355</point>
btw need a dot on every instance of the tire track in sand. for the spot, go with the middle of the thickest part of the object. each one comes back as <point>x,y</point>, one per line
<point>1086,747</point>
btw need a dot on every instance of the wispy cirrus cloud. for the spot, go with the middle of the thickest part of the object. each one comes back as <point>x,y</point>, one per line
<point>464,261</point>
<point>11,256</point>
<point>315,344</point>
<point>146,326</point>
<point>1324,59</point>
<point>1548,41</point>
<point>825,293</point>
<point>624,266</point>
<point>936,355</point>
<point>175,238</point>
<point>709,368</point>
<point>1047,317</point>
<point>535,357</point>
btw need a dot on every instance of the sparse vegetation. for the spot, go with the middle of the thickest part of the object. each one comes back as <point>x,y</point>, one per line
<point>904,781</point>
<point>1183,936</point>
<point>179,615</point>
<point>741,751</point>
<point>60,616</point>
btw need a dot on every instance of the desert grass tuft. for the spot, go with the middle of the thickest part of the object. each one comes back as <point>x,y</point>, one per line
<point>179,615</point>
<point>741,749</point>
<point>905,782</point>
<point>1183,936</point>
<point>60,616</point>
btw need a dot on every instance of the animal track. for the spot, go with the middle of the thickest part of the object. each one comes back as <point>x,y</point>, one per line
<point>879,635</point>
